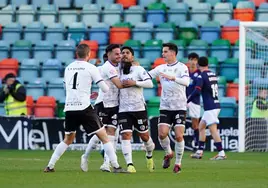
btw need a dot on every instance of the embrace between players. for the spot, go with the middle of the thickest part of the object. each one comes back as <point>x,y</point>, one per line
<point>120,104</point>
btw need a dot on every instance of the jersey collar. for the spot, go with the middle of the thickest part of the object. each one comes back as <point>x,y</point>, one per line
<point>113,64</point>
<point>172,64</point>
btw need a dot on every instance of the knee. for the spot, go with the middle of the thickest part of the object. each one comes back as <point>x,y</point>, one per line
<point>145,137</point>
<point>162,136</point>
<point>68,141</point>
<point>179,138</point>
<point>126,135</point>
<point>110,131</point>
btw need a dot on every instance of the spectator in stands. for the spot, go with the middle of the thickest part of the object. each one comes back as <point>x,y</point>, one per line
<point>260,104</point>
<point>13,94</point>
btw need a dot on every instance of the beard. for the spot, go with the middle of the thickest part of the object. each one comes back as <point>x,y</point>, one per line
<point>126,67</point>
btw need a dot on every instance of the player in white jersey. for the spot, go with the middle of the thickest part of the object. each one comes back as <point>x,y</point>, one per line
<point>78,77</point>
<point>174,78</point>
<point>107,103</point>
<point>132,110</point>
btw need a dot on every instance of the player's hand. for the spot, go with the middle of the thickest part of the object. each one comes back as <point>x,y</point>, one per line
<point>98,61</point>
<point>94,95</point>
<point>6,90</point>
<point>135,63</point>
<point>129,83</point>
<point>167,76</point>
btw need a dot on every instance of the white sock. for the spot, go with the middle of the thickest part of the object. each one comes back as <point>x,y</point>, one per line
<point>106,157</point>
<point>109,150</point>
<point>165,144</point>
<point>127,151</point>
<point>149,146</point>
<point>111,139</point>
<point>179,149</point>
<point>60,149</point>
<point>116,137</point>
<point>91,145</point>
<point>221,153</point>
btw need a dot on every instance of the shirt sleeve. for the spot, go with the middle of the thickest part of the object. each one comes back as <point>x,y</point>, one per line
<point>184,72</point>
<point>155,72</point>
<point>110,71</point>
<point>95,74</point>
<point>143,74</point>
<point>199,82</point>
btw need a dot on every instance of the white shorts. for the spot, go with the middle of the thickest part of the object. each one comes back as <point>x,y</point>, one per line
<point>211,116</point>
<point>194,110</point>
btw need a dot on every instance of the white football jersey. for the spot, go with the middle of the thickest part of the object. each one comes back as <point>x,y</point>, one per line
<point>173,95</point>
<point>131,99</point>
<point>78,77</point>
<point>109,99</point>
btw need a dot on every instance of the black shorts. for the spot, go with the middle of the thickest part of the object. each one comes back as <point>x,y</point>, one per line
<point>172,118</point>
<point>133,120</point>
<point>88,118</point>
<point>108,116</point>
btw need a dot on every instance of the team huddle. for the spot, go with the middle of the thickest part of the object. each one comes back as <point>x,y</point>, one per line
<point>120,105</point>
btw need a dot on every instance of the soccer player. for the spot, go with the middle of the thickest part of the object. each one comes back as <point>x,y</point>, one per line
<point>207,85</point>
<point>174,78</point>
<point>194,106</point>
<point>78,77</point>
<point>132,110</point>
<point>107,104</point>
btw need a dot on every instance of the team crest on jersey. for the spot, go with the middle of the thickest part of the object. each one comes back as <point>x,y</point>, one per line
<point>114,122</point>
<point>178,121</point>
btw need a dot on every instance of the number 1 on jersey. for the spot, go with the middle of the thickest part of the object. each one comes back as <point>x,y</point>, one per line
<point>214,88</point>
<point>75,80</point>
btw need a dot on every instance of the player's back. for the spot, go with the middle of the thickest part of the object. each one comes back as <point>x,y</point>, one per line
<point>78,77</point>
<point>210,90</point>
<point>193,81</point>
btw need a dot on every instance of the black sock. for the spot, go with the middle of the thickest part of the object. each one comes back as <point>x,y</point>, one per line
<point>218,146</point>
<point>201,145</point>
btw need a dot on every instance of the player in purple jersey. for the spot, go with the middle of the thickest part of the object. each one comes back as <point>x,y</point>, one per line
<point>194,107</point>
<point>207,86</point>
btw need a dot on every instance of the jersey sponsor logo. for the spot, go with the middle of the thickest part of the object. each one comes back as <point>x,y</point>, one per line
<point>123,121</point>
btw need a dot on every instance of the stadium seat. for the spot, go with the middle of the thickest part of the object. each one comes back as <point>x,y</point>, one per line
<point>43,50</point>
<point>257,83</point>
<point>222,12</point>
<point>101,51</point>
<point>254,68</point>
<point>152,49</point>
<point>29,69</point>
<point>8,66</point>
<point>99,32</point>
<point>213,64</point>
<point>81,3</point>
<point>191,3</point>
<point>29,105</point>
<point>156,13</point>
<point>262,12</point>
<point>4,48</point>
<point>210,31</point>
<point>55,32</point>
<point>51,69</point>
<point>158,61</point>
<point>245,11</point>
<point>60,108</point>
<point>142,31</point>
<point>229,69</point>
<point>258,2</point>
<point>67,17</point>
<point>93,45</point>
<point>63,3</point>
<point>65,50</point>
<point>6,15</point>
<point>127,3</point>
<point>90,14</point>
<point>178,13</point>
<point>133,15</point>
<point>55,88</point>
<point>18,2</point>
<point>213,2</point>
<point>102,3</point>
<point>235,50</point>
<point>135,45</point>
<point>232,90</point>
<point>145,63</point>
<point>21,49</point>
<point>153,106</point>
<point>77,31</point>
<point>25,14</point>
<point>181,44</point>
<point>230,31</point>
<point>39,3</point>
<point>35,88</point>
<point>47,14</point>
<point>45,107</point>
<point>148,93</point>
<point>188,31</point>
<point>198,46</point>
<point>145,3</point>
<point>119,33</point>
<point>165,32</point>
<point>200,13</point>
<point>11,32</point>
<point>2,109</point>
<point>112,13</point>
<point>3,3</point>
<point>33,32</point>
<point>228,107</point>
<point>221,86</point>
<point>220,49</point>
<point>68,62</point>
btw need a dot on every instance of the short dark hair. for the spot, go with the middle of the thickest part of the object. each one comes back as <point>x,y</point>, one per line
<point>110,47</point>
<point>105,57</point>
<point>203,61</point>
<point>128,48</point>
<point>171,46</point>
<point>193,56</point>
<point>82,50</point>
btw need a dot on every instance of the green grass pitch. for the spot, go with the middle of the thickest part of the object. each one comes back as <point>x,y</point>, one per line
<point>25,169</point>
